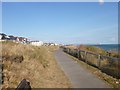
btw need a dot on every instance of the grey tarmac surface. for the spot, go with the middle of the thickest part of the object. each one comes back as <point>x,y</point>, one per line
<point>78,76</point>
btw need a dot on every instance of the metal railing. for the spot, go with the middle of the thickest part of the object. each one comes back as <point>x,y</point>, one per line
<point>107,64</point>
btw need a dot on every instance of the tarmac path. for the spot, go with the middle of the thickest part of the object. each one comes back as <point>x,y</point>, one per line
<point>78,75</point>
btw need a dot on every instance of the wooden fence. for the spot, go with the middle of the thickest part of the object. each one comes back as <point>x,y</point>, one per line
<point>107,64</point>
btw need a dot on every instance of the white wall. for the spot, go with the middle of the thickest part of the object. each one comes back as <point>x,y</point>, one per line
<point>40,43</point>
<point>0,37</point>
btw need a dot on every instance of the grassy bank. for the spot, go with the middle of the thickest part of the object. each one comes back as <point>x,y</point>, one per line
<point>38,66</point>
<point>98,50</point>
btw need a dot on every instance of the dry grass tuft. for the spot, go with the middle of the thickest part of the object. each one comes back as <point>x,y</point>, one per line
<point>38,67</point>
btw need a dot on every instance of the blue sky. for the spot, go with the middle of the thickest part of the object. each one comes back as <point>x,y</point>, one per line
<point>67,23</point>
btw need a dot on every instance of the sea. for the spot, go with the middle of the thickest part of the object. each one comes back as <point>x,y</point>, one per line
<point>108,47</point>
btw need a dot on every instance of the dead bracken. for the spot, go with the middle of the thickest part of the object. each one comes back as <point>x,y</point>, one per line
<point>14,58</point>
<point>35,64</point>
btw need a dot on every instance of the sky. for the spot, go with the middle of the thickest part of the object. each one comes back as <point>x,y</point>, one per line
<point>62,22</point>
<point>60,0</point>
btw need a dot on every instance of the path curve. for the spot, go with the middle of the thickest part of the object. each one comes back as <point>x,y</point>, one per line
<point>78,76</point>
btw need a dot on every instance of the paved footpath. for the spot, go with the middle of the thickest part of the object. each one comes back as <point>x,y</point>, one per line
<point>78,75</point>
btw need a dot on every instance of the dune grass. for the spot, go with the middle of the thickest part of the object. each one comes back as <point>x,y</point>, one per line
<point>98,50</point>
<point>38,67</point>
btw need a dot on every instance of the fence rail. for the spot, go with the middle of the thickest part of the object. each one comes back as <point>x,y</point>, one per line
<point>107,64</point>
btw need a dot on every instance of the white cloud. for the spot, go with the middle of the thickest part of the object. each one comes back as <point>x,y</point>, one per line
<point>101,1</point>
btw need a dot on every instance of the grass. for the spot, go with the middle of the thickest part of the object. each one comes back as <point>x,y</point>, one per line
<point>98,50</point>
<point>39,66</point>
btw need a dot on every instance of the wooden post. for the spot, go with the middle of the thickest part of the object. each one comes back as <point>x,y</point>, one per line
<point>85,57</point>
<point>99,61</point>
<point>71,52</point>
<point>78,53</point>
<point>68,50</point>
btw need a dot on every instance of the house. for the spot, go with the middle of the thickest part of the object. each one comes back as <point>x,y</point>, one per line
<point>21,39</point>
<point>3,36</point>
<point>46,44</point>
<point>50,44</point>
<point>36,43</point>
<point>11,37</point>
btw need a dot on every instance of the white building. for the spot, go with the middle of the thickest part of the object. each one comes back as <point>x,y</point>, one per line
<point>36,43</point>
<point>1,37</point>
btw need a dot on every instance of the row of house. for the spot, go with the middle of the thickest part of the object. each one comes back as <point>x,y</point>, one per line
<point>40,43</point>
<point>50,44</point>
<point>4,37</point>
